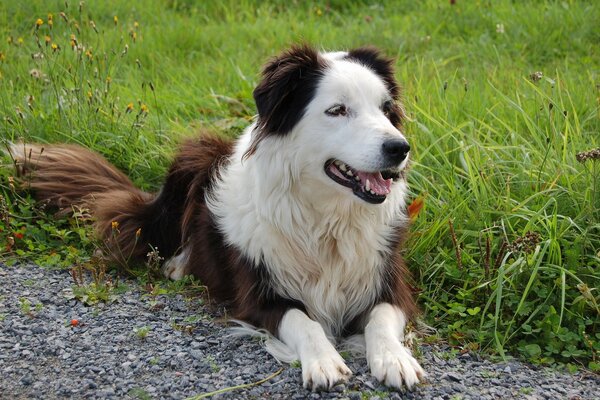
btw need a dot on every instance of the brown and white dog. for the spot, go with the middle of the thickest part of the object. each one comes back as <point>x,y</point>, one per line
<point>296,225</point>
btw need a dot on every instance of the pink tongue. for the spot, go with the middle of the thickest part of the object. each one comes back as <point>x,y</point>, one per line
<point>376,182</point>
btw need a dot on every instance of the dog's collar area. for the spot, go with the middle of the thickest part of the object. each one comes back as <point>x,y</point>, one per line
<point>372,187</point>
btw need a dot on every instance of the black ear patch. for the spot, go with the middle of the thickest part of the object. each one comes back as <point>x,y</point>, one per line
<point>288,84</point>
<point>383,66</point>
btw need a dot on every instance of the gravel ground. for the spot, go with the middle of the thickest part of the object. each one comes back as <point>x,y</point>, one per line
<point>142,346</point>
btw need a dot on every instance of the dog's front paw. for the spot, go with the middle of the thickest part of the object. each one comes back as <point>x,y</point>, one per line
<point>392,364</point>
<point>324,371</point>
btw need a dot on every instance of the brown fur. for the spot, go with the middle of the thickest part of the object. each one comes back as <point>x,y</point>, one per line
<point>64,176</point>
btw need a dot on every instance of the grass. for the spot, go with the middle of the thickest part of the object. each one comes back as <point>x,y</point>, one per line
<point>502,96</point>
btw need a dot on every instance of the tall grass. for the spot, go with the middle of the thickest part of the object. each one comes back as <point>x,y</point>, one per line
<point>502,96</point>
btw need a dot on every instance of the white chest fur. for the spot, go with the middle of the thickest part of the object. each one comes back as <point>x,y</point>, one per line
<point>321,245</point>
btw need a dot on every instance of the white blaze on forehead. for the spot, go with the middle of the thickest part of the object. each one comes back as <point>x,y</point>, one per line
<point>335,55</point>
<point>350,81</point>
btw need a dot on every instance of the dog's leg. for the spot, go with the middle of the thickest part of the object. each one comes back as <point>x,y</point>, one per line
<point>390,361</point>
<point>176,267</point>
<point>322,366</point>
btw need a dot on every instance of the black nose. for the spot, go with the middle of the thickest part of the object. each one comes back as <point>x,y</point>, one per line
<point>395,150</point>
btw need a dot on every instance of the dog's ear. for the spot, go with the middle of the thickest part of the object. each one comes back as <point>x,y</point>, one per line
<point>383,66</point>
<point>287,86</point>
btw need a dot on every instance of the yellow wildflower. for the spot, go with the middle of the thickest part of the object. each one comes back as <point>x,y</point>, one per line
<point>50,16</point>
<point>20,41</point>
<point>116,19</point>
<point>133,35</point>
<point>89,95</point>
<point>144,108</point>
<point>89,54</point>
<point>136,25</point>
<point>54,47</point>
<point>39,22</point>
<point>114,224</point>
<point>50,23</point>
<point>47,39</point>
<point>129,108</point>
<point>108,79</point>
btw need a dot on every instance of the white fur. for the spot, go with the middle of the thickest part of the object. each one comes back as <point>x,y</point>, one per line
<point>175,268</point>
<point>390,361</point>
<point>321,244</point>
<point>322,366</point>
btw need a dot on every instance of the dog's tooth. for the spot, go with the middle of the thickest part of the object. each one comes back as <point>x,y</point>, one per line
<point>349,173</point>
<point>337,162</point>
<point>357,179</point>
<point>372,192</point>
<point>368,185</point>
<point>343,167</point>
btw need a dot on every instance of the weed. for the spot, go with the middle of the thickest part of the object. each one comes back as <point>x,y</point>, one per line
<point>29,282</point>
<point>25,306</point>
<point>141,332</point>
<point>139,393</point>
<point>489,374</point>
<point>368,394</point>
<point>526,390</point>
<point>29,309</point>
<point>189,329</point>
<point>214,367</point>
<point>296,364</point>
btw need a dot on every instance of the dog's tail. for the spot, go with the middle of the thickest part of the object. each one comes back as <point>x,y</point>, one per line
<point>128,220</point>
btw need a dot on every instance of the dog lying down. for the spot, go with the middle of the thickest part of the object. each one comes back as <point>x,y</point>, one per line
<point>296,225</point>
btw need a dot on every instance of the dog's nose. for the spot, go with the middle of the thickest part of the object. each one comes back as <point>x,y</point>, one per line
<point>395,150</point>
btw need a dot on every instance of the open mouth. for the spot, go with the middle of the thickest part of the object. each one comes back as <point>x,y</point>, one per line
<point>372,187</point>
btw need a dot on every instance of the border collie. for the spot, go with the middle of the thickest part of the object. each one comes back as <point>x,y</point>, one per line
<point>296,225</point>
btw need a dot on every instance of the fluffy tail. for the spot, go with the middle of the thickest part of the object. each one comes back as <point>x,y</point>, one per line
<point>128,220</point>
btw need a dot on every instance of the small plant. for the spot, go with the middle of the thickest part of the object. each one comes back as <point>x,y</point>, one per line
<point>526,390</point>
<point>214,367</point>
<point>189,329</point>
<point>296,364</point>
<point>102,288</point>
<point>28,308</point>
<point>368,394</point>
<point>139,393</point>
<point>25,306</point>
<point>141,332</point>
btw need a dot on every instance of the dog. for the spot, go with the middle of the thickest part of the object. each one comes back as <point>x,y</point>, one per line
<point>296,225</point>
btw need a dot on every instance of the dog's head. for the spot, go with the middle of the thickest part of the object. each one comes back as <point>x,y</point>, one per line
<point>341,114</point>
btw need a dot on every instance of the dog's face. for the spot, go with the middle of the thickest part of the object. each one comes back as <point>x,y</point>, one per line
<point>341,113</point>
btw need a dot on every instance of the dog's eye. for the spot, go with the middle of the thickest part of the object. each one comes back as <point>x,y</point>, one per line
<point>337,110</point>
<point>387,108</point>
